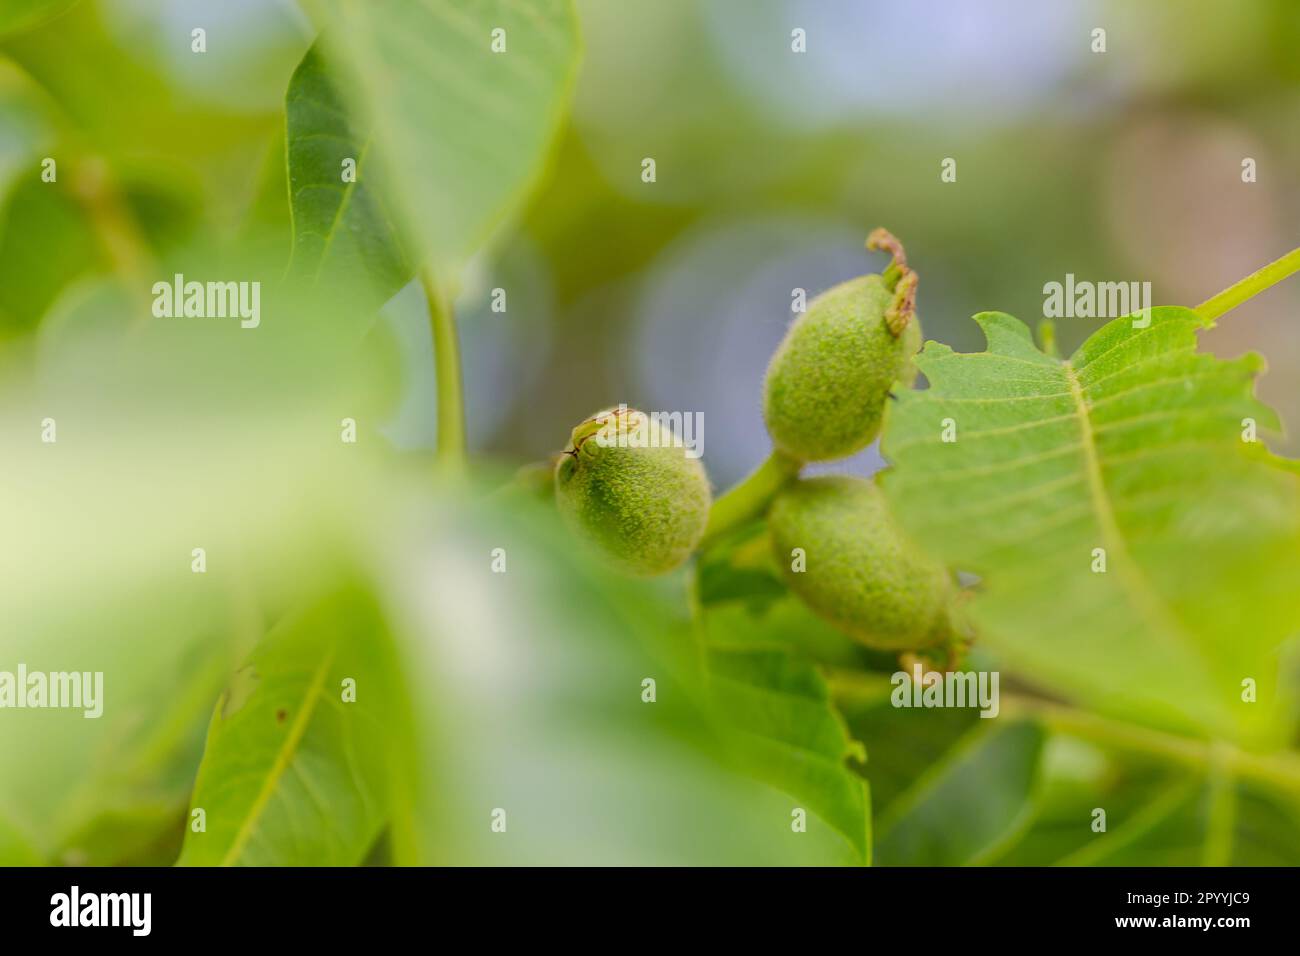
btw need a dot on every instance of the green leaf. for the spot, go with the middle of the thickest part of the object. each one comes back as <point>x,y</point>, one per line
<point>1152,819</point>
<point>115,789</point>
<point>903,743</point>
<point>1132,445</point>
<point>44,245</point>
<point>16,848</point>
<point>20,14</point>
<point>343,230</point>
<point>461,131</point>
<point>103,791</point>
<point>1203,823</point>
<point>761,651</point>
<point>965,808</point>
<point>784,731</point>
<point>293,772</point>
<point>1076,778</point>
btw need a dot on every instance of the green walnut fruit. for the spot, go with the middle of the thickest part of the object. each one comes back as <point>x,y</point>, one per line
<point>855,569</point>
<point>627,483</point>
<point>829,381</point>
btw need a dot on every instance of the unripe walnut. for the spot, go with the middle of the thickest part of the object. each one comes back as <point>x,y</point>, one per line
<point>826,387</point>
<point>625,482</point>
<point>859,572</point>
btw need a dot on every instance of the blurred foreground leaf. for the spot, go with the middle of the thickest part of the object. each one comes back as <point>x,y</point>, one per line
<point>1154,815</point>
<point>163,446</point>
<point>967,805</point>
<point>1199,823</point>
<point>293,772</point>
<point>21,14</point>
<point>44,244</point>
<point>556,712</point>
<point>776,712</point>
<point>761,650</point>
<point>949,788</point>
<point>16,848</point>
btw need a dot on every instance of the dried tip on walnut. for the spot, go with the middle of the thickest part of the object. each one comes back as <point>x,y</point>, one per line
<point>828,383</point>
<point>881,239</point>
<point>858,571</point>
<point>626,484</point>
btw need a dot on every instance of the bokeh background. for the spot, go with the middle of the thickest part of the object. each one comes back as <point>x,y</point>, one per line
<point>772,167</point>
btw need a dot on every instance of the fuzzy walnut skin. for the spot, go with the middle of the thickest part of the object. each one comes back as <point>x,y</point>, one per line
<point>861,575</point>
<point>828,383</point>
<point>645,507</point>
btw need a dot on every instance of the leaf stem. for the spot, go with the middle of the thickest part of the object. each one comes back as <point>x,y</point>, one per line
<point>1249,287</point>
<point>1281,770</point>
<point>750,498</point>
<point>1047,338</point>
<point>446,360</point>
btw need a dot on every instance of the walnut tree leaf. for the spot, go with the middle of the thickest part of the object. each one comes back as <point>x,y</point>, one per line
<point>1136,554</point>
<point>761,652</point>
<point>295,772</point>
<point>449,111</point>
<point>344,232</point>
<point>18,15</point>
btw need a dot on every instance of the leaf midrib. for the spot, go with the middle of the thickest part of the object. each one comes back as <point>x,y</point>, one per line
<point>1132,579</point>
<point>344,203</point>
<point>297,731</point>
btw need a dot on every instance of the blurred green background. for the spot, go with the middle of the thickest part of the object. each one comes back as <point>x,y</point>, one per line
<point>771,169</point>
